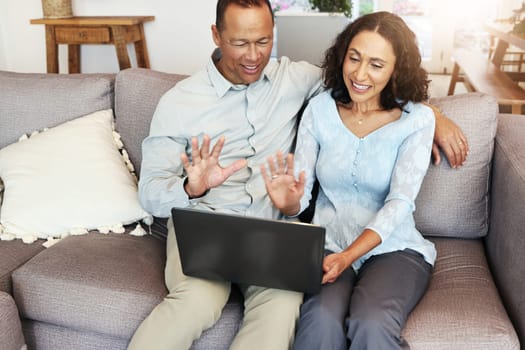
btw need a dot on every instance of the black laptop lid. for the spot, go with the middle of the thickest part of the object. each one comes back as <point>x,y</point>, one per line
<point>253,251</point>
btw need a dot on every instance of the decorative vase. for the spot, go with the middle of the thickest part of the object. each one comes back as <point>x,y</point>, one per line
<point>57,8</point>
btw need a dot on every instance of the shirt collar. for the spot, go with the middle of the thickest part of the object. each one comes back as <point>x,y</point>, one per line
<point>220,83</point>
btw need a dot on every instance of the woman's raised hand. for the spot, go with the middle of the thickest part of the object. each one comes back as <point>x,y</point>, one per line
<point>284,190</point>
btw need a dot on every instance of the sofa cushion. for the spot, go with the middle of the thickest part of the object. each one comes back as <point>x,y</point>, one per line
<point>43,336</point>
<point>67,180</point>
<point>455,202</point>
<point>12,255</point>
<point>97,283</point>
<point>138,91</point>
<point>461,309</point>
<point>11,336</point>
<point>31,101</point>
<point>102,284</point>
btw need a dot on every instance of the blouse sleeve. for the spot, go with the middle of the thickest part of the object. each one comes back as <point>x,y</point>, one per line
<point>407,176</point>
<point>306,151</point>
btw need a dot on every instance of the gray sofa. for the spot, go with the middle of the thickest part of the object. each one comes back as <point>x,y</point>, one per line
<point>92,291</point>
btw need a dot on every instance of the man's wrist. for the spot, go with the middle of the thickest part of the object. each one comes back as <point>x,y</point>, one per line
<point>291,210</point>
<point>190,195</point>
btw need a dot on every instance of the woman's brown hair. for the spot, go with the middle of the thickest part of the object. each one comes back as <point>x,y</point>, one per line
<point>409,81</point>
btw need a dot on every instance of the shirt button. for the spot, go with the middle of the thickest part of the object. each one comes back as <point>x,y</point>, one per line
<point>353,174</point>
<point>355,162</point>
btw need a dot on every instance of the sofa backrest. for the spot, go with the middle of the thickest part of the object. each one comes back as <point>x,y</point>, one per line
<point>452,202</point>
<point>137,92</point>
<point>455,202</point>
<point>34,101</point>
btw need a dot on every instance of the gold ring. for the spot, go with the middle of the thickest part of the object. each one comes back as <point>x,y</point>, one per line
<point>275,176</point>
<point>460,143</point>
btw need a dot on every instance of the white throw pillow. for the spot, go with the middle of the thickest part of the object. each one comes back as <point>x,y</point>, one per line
<point>67,180</point>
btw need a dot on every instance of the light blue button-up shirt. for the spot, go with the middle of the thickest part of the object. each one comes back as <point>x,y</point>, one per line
<point>257,120</point>
<point>366,182</point>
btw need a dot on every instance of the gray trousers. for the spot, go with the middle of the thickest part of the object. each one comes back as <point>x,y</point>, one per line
<point>367,310</point>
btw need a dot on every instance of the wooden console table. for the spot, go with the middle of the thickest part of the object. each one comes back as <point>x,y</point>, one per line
<point>76,31</point>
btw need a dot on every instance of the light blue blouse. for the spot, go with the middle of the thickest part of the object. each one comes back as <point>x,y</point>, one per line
<point>368,182</point>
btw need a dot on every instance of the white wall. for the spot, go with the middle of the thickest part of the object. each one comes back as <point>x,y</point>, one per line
<point>2,46</point>
<point>179,39</point>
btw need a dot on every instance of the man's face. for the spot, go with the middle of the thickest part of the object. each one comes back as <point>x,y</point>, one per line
<point>245,42</point>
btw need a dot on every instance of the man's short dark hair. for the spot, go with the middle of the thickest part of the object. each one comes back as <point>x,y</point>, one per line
<point>222,5</point>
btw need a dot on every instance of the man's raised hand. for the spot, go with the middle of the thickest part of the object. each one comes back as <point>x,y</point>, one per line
<point>204,171</point>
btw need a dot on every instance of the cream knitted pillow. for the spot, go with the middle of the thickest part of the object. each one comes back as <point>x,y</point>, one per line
<point>68,180</point>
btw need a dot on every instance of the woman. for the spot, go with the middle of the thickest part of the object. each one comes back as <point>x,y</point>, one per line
<point>367,140</point>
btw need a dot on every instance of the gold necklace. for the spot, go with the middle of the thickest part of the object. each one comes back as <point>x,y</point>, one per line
<point>348,106</point>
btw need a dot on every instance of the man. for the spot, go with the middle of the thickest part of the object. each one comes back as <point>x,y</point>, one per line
<point>246,106</point>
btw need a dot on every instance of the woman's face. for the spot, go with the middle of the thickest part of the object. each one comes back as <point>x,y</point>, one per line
<point>368,67</point>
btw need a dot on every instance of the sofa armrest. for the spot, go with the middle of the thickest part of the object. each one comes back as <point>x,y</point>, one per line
<point>505,243</point>
<point>11,336</point>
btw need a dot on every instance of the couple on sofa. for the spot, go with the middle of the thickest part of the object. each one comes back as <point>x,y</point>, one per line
<point>365,136</point>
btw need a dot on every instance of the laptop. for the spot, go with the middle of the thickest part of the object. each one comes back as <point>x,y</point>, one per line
<point>247,250</point>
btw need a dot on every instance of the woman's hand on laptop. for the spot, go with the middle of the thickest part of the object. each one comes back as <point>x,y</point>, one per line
<point>333,266</point>
<point>204,171</point>
<point>284,190</point>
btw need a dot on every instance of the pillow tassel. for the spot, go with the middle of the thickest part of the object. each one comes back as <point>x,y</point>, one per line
<point>104,229</point>
<point>23,138</point>
<point>118,228</point>
<point>148,220</point>
<point>138,231</point>
<point>51,241</point>
<point>4,236</point>
<point>78,231</point>
<point>28,239</point>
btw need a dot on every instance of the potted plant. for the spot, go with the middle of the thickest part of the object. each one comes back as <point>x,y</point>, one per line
<point>333,6</point>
